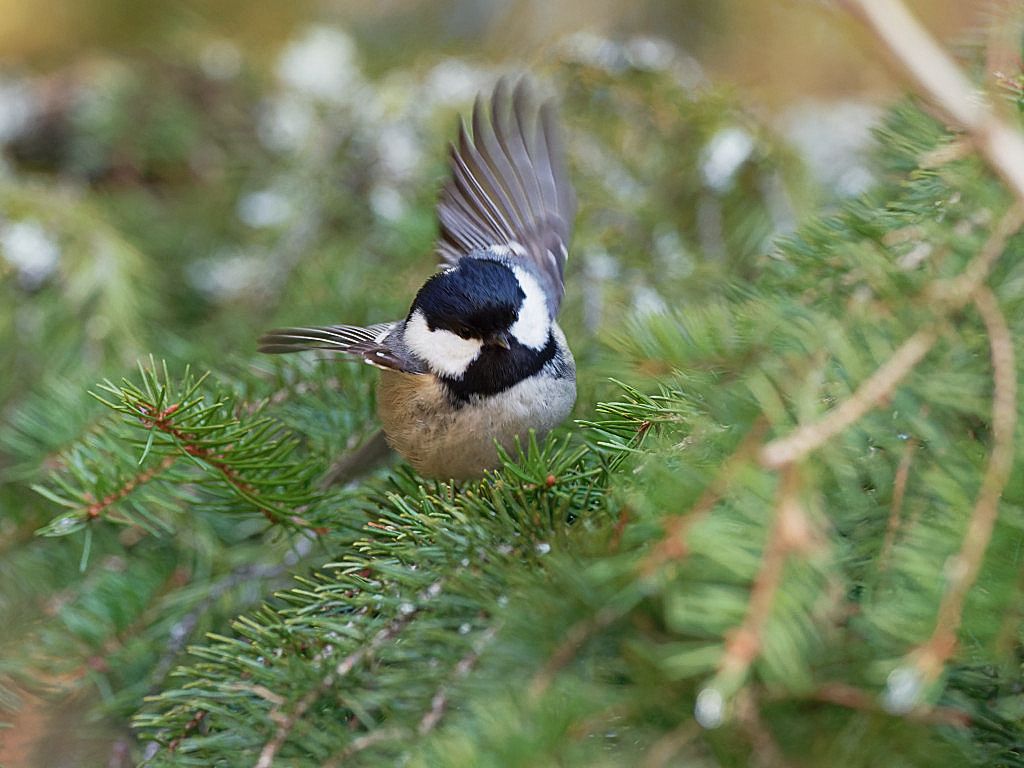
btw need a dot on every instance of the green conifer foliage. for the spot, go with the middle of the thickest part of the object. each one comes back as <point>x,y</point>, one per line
<point>761,543</point>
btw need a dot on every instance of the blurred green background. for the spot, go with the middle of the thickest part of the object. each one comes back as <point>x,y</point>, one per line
<point>781,50</point>
<point>177,177</point>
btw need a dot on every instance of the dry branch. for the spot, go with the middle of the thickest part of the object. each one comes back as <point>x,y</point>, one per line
<point>803,440</point>
<point>789,533</point>
<point>899,489</point>
<point>936,76</point>
<point>963,570</point>
<point>949,296</point>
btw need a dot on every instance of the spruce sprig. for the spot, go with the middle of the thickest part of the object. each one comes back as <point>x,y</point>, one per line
<point>179,441</point>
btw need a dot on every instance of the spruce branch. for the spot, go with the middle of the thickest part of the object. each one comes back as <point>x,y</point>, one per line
<point>937,77</point>
<point>418,532</point>
<point>790,533</point>
<point>189,424</point>
<point>439,701</point>
<point>286,722</point>
<point>717,557</point>
<point>98,507</point>
<point>950,296</point>
<point>175,436</point>
<point>962,571</point>
<point>792,448</point>
<point>673,544</point>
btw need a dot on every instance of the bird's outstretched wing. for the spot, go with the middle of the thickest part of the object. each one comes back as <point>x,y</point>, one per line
<point>510,189</point>
<point>378,345</point>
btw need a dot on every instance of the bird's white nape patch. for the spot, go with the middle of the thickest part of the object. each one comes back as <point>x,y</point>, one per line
<point>533,325</point>
<point>446,353</point>
<point>505,251</point>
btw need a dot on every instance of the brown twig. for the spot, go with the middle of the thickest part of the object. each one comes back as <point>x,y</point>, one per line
<point>899,489</point>
<point>439,702</point>
<point>163,421</point>
<point>935,75</point>
<point>194,722</point>
<point>766,752</point>
<point>851,697</point>
<point>789,533</point>
<point>286,722</point>
<point>963,570</point>
<point>98,507</point>
<point>672,545</point>
<point>948,296</point>
<point>873,391</point>
<point>575,637</point>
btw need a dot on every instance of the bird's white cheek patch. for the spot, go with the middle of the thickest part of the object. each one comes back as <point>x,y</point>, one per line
<point>445,352</point>
<point>533,326</point>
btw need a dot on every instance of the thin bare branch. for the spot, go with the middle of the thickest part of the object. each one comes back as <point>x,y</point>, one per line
<point>789,533</point>
<point>962,571</point>
<point>899,489</point>
<point>876,388</point>
<point>439,702</point>
<point>850,697</point>
<point>949,296</point>
<point>937,77</point>
<point>575,638</point>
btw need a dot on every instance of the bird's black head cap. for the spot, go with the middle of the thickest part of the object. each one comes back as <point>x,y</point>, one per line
<point>476,299</point>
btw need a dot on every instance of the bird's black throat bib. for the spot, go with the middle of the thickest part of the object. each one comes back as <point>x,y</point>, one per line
<point>497,369</point>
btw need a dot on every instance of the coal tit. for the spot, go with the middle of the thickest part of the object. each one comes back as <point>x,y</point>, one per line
<point>479,360</point>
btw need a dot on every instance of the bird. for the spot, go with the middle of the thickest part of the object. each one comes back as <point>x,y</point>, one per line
<point>479,360</point>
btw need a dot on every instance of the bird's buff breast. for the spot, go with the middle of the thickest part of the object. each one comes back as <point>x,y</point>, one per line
<point>445,442</point>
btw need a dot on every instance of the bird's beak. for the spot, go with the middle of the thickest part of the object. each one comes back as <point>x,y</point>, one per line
<point>499,339</point>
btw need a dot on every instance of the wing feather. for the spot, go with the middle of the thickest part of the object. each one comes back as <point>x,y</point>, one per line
<point>506,184</point>
<point>375,344</point>
<point>509,187</point>
<point>487,217</point>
